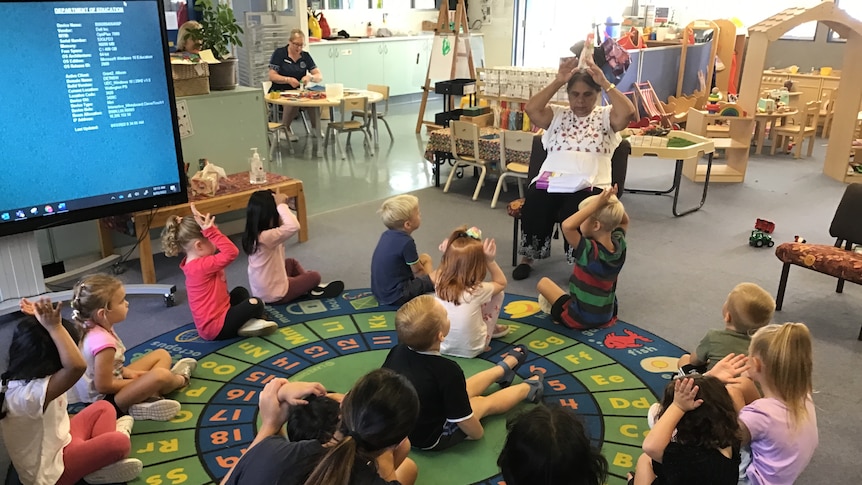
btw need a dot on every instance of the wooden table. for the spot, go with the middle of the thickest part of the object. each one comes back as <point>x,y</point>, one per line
<point>438,148</point>
<point>233,194</point>
<point>654,146</point>
<point>770,119</point>
<point>289,98</point>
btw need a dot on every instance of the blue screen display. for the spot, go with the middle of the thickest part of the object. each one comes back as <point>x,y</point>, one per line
<point>87,115</point>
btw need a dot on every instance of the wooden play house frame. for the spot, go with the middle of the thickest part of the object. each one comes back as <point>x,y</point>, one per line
<point>846,107</point>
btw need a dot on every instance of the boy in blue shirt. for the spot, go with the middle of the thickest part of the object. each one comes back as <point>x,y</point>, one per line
<point>398,272</point>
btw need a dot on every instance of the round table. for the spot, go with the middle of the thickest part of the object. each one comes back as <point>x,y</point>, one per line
<point>331,103</point>
<point>764,119</point>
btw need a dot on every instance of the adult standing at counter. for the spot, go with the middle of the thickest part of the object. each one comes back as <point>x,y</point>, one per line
<point>291,67</point>
<point>580,140</point>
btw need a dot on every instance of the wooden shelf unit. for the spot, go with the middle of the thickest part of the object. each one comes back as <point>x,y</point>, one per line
<point>736,146</point>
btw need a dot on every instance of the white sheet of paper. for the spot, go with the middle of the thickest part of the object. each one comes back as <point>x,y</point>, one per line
<point>208,57</point>
<point>171,21</point>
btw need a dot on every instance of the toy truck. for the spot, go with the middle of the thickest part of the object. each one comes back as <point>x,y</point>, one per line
<point>764,225</point>
<point>760,238</point>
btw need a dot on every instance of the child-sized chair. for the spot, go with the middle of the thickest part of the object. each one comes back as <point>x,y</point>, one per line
<point>519,141</point>
<point>381,115</point>
<point>839,260</point>
<point>349,104</point>
<point>803,125</point>
<point>462,135</point>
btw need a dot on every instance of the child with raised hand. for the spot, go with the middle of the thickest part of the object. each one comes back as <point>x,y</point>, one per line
<point>696,438</point>
<point>781,427</point>
<point>273,278</point>
<point>218,315</point>
<point>451,405</point>
<point>376,416</point>
<point>747,308</point>
<point>398,272</point>
<point>548,445</point>
<point>45,446</point>
<point>473,304</point>
<point>98,303</point>
<point>596,233</point>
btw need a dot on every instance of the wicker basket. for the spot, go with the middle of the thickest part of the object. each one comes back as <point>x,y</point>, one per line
<point>191,79</point>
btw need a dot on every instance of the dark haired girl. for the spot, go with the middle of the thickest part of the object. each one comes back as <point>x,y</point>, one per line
<point>272,277</point>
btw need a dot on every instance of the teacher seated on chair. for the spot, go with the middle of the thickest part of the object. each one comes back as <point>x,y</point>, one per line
<point>580,140</point>
<point>291,67</point>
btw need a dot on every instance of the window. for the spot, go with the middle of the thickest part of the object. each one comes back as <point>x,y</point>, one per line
<point>854,9</point>
<point>805,31</point>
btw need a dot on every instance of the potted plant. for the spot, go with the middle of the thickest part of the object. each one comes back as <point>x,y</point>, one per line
<point>219,31</point>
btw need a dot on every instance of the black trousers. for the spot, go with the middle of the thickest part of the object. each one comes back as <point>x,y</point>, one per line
<point>241,310</point>
<point>541,210</point>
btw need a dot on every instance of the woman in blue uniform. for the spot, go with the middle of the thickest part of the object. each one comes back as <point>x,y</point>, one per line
<point>291,67</point>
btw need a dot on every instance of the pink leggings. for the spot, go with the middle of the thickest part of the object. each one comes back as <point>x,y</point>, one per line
<point>299,281</point>
<point>95,444</point>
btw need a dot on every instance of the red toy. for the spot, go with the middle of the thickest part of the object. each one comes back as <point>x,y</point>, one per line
<point>764,225</point>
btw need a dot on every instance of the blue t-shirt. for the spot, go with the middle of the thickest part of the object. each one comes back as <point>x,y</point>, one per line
<point>285,66</point>
<point>390,265</point>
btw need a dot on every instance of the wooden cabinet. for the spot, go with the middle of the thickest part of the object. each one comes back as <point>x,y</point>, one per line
<point>735,143</point>
<point>811,86</point>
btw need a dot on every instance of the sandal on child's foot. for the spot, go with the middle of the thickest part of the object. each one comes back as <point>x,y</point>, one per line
<point>537,387</point>
<point>519,352</point>
<point>329,290</point>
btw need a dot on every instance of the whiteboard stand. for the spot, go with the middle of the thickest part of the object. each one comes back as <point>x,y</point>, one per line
<point>451,56</point>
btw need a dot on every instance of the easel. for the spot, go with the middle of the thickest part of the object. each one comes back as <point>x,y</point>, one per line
<point>442,31</point>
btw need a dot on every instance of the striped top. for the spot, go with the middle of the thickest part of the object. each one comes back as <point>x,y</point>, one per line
<point>593,282</point>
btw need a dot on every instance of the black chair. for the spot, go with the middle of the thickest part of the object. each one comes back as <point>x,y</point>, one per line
<point>838,261</point>
<point>619,167</point>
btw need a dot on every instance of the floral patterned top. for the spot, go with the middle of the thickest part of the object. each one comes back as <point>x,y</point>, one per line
<point>581,145</point>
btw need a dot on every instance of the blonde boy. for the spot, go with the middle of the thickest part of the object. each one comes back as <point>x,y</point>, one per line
<point>398,272</point>
<point>597,234</point>
<point>452,406</point>
<point>747,308</point>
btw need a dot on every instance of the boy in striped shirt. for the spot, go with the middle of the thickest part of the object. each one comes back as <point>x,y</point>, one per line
<point>597,234</point>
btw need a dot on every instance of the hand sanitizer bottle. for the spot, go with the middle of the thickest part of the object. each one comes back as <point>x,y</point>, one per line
<point>256,173</point>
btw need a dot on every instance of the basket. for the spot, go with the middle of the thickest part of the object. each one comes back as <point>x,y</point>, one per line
<point>191,79</point>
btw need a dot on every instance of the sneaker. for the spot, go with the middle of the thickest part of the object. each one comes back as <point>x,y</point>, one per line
<point>327,290</point>
<point>652,414</point>
<point>125,424</point>
<point>158,410</point>
<point>185,367</point>
<point>522,271</point>
<point>544,304</point>
<point>120,472</point>
<point>257,327</point>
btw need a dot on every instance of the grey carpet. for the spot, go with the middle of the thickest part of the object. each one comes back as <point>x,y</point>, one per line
<point>677,274</point>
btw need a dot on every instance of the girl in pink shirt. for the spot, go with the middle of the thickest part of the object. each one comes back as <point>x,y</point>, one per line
<point>274,278</point>
<point>218,315</point>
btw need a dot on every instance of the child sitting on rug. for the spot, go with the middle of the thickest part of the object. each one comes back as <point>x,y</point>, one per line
<point>376,416</point>
<point>398,272</point>
<point>781,427</point>
<point>548,445</point>
<point>98,303</point>
<point>218,315</point>
<point>269,222</point>
<point>696,438</point>
<point>747,308</point>
<point>45,446</point>
<point>473,304</point>
<point>597,234</point>
<point>452,406</point>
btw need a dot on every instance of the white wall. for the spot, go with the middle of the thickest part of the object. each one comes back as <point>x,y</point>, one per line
<point>498,33</point>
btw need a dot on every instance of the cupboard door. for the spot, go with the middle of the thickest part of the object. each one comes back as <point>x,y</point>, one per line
<point>374,60</point>
<point>350,68</point>
<point>400,65</point>
<point>322,54</point>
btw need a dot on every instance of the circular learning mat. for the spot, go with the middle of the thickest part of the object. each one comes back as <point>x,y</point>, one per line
<point>610,376</point>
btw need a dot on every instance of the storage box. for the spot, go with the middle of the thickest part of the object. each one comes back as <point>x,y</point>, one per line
<point>191,79</point>
<point>456,86</point>
<point>486,119</point>
<point>445,117</point>
<point>476,110</point>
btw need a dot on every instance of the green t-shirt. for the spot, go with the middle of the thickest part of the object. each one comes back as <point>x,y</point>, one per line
<point>717,344</point>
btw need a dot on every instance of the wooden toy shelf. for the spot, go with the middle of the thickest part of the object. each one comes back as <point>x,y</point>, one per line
<point>736,147</point>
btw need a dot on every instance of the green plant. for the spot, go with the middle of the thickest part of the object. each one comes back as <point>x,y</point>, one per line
<point>219,27</point>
